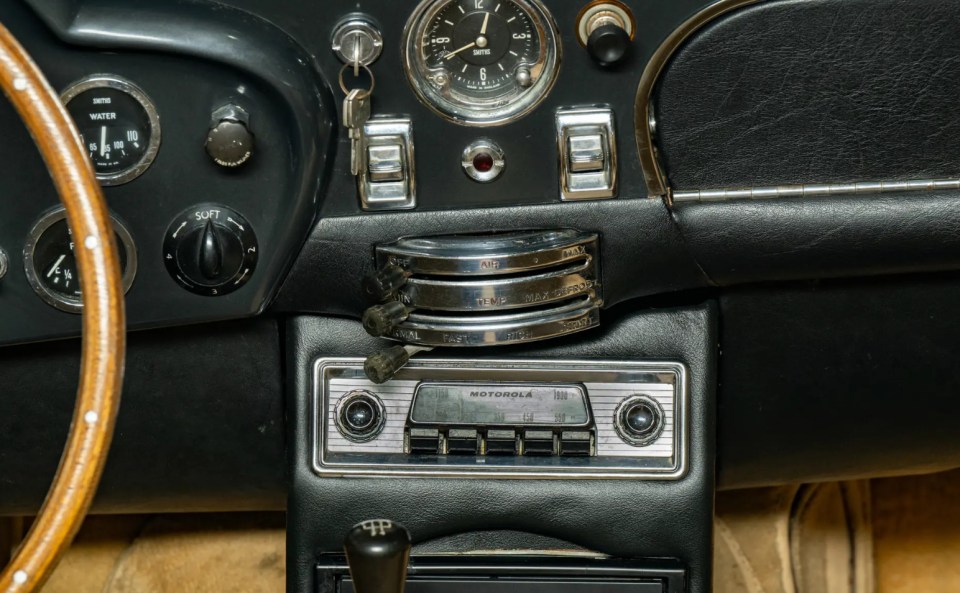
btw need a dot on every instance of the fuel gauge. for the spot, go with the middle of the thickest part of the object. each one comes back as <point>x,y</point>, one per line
<point>51,265</point>
<point>118,124</point>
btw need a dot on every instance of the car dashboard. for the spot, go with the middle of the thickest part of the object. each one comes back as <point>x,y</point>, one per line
<point>528,268</point>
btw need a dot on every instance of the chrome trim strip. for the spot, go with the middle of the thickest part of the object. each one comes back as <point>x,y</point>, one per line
<point>644,122</point>
<point>500,330</point>
<point>816,190</point>
<point>489,255</point>
<point>497,294</point>
<point>450,367</point>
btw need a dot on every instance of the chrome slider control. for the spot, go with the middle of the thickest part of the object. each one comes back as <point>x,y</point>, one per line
<point>487,290</point>
<point>587,142</point>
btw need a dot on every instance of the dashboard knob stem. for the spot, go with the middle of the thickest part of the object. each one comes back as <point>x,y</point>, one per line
<point>383,285</point>
<point>382,366</point>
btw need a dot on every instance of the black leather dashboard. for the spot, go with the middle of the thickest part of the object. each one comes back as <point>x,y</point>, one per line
<point>779,92</point>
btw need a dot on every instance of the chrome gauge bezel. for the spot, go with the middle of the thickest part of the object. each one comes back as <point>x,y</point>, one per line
<point>463,109</point>
<point>111,81</point>
<point>59,300</point>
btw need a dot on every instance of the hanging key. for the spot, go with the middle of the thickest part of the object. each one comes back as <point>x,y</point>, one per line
<point>356,112</point>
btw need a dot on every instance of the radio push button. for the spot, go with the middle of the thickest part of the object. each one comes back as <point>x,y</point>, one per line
<point>539,442</point>
<point>463,441</point>
<point>424,441</point>
<point>501,442</point>
<point>576,443</point>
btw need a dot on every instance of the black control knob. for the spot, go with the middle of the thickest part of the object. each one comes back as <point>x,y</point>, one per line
<point>608,44</point>
<point>360,416</point>
<point>230,142</point>
<point>380,320</point>
<point>378,552</point>
<point>384,284</point>
<point>639,420</point>
<point>210,250</point>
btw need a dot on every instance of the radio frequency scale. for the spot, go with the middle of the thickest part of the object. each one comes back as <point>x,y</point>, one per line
<point>507,419</point>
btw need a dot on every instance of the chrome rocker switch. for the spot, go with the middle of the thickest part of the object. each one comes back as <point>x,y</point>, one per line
<point>587,143</point>
<point>388,179</point>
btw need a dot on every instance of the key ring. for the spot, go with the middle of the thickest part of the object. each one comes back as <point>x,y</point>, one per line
<point>363,94</point>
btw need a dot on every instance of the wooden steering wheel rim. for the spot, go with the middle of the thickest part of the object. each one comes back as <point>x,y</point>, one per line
<point>103,350</point>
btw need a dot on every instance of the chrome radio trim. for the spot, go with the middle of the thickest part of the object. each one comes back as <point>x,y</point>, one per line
<point>372,465</point>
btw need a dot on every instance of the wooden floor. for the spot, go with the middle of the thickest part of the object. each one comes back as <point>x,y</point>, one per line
<point>885,536</point>
<point>917,534</point>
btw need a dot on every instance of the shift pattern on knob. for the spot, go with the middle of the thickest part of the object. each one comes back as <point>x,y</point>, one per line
<point>378,552</point>
<point>210,250</point>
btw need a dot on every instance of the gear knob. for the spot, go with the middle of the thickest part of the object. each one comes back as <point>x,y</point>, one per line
<point>377,553</point>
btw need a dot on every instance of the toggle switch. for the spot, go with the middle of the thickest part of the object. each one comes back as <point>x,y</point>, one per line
<point>586,151</point>
<point>587,141</point>
<point>385,162</point>
<point>388,181</point>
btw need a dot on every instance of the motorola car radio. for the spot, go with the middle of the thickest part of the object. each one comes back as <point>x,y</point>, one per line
<point>510,419</point>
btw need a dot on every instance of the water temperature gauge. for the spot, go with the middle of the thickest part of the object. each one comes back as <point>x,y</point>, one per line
<point>51,266</point>
<point>119,126</point>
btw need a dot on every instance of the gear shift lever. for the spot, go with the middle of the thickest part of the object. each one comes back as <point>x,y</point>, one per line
<point>377,553</point>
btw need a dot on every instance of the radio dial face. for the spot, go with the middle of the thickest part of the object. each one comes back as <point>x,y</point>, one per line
<point>481,62</point>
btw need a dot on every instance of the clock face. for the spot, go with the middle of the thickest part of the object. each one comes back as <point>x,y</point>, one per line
<point>481,62</point>
<point>481,46</point>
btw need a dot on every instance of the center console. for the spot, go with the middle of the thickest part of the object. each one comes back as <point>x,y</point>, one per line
<point>582,463</point>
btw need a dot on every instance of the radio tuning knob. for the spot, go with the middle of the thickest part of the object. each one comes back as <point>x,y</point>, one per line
<point>4,263</point>
<point>639,420</point>
<point>360,416</point>
<point>230,142</point>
